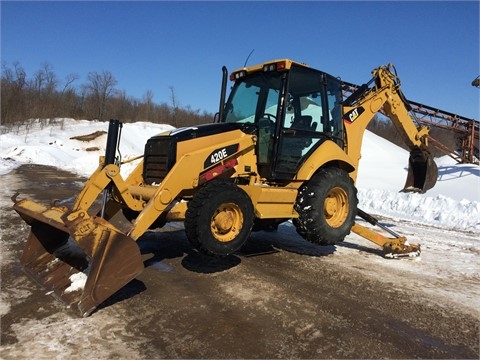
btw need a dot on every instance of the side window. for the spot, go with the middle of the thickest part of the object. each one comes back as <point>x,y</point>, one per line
<point>308,113</point>
<point>272,102</point>
<point>334,98</point>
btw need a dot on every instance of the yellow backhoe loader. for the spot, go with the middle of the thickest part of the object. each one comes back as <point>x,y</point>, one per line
<point>284,146</point>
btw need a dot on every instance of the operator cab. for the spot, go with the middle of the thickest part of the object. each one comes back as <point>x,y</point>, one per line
<point>294,109</point>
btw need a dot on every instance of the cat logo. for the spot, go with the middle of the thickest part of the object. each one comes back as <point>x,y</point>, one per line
<point>353,114</point>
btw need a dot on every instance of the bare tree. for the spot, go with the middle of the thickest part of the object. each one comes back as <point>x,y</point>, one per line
<point>43,102</point>
<point>45,79</point>
<point>101,87</point>
<point>14,83</point>
<point>70,103</point>
<point>175,105</point>
<point>147,106</point>
<point>69,79</point>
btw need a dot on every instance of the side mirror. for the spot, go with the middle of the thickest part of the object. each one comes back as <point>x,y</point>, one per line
<point>476,82</point>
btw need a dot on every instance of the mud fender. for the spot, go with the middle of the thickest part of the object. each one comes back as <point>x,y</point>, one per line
<point>328,152</point>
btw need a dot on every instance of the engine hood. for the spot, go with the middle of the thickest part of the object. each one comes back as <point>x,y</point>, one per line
<point>192,132</point>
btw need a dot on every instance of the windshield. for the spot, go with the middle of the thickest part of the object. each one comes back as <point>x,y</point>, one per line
<point>252,98</point>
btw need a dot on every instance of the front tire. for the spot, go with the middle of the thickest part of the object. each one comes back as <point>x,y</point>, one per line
<point>327,206</point>
<point>219,218</point>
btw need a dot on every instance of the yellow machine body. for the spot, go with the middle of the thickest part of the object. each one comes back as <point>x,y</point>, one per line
<point>253,168</point>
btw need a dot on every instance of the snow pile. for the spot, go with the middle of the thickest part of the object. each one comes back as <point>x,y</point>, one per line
<point>52,145</point>
<point>384,166</point>
<point>438,211</point>
<point>454,202</point>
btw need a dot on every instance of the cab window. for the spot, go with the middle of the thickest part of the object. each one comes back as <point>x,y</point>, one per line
<point>334,99</point>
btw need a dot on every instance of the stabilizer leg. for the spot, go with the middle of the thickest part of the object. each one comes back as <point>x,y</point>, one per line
<point>393,248</point>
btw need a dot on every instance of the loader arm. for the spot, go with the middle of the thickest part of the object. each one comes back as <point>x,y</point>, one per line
<point>98,182</point>
<point>386,95</point>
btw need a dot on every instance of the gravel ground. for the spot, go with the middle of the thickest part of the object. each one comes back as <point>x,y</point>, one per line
<point>279,297</point>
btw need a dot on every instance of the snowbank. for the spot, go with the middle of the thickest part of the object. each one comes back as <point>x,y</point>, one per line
<point>52,145</point>
<point>454,202</point>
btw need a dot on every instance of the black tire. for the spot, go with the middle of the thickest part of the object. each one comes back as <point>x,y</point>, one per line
<point>327,205</point>
<point>219,218</point>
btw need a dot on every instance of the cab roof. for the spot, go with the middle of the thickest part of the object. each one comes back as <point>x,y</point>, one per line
<point>279,65</point>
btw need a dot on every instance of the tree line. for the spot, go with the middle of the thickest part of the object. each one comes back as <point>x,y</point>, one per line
<point>44,95</point>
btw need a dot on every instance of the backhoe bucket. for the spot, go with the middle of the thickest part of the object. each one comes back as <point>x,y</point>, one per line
<point>83,260</point>
<point>422,172</point>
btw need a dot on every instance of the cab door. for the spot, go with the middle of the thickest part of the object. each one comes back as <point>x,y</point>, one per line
<point>311,115</point>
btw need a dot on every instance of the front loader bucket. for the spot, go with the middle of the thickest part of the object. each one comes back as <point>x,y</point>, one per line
<point>83,260</point>
<point>422,172</point>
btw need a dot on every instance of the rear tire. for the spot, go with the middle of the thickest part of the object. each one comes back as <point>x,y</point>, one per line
<point>219,218</point>
<point>327,206</point>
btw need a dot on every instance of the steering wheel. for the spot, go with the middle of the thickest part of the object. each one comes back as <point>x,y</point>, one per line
<point>267,123</point>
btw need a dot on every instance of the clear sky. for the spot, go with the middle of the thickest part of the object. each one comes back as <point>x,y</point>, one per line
<point>156,45</point>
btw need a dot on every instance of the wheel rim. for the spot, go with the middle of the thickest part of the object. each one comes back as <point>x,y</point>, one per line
<point>336,207</point>
<point>226,222</point>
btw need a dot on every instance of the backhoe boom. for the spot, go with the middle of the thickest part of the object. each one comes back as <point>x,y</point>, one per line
<point>386,94</point>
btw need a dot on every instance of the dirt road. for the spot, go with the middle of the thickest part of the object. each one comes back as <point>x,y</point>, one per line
<point>280,297</point>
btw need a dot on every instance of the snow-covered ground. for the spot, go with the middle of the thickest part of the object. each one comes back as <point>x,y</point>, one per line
<point>454,203</point>
<point>445,221</point>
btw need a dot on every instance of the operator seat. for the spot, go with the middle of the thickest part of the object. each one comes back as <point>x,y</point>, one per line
<point>304,122</point>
